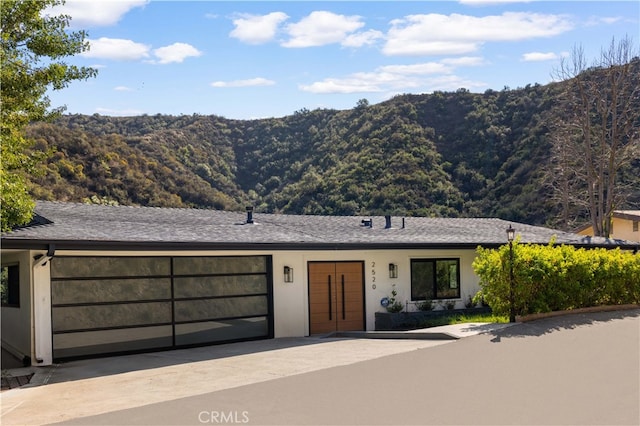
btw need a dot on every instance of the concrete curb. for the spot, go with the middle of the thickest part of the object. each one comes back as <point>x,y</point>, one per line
<point>592,309</point>
<point>426,335</point>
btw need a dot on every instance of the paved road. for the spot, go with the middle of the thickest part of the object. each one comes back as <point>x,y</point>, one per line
<point>576,370</point>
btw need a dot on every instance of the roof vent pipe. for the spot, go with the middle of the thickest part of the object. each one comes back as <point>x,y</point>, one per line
<point>387,220</point>
<point>249,214</point>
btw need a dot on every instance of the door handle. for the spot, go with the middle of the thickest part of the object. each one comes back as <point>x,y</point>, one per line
<point>343,307</point>
<point>330,302</point>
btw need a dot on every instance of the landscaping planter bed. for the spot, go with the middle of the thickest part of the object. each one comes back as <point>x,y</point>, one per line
<point>387,321</point>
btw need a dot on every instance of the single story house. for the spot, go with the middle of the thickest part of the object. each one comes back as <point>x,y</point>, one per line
<point>624,226</point>
<point>90,280</point>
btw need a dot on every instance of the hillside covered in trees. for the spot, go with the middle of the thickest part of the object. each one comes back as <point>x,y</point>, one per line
<point>446,154</point>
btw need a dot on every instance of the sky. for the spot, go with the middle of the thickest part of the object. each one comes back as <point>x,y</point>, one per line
<point>260,59</point>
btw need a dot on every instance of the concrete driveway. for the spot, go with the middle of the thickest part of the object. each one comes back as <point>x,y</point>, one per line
<point>577,369</point>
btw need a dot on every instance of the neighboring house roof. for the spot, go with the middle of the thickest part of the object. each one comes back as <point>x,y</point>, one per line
<point>84,227</point>
<point>627,214</point>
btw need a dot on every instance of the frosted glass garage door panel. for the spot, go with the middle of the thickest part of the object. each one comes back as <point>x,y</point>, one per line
<point>199,310</point>
<point>218,331</point>
<point>234,285</point>
<point>219,265</point>
<point>107,316</point>
<point>111,341</point>
<point>108,290</point>
<point>76,267</point>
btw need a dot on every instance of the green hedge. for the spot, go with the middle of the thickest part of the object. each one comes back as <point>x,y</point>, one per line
<point>552,278</point>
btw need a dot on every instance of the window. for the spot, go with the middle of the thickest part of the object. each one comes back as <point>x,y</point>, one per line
<point>635,226</point>
<point>10,286</point>
<point>435,279</point>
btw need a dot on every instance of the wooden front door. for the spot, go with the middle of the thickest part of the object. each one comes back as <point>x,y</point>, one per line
<point>336,296</point>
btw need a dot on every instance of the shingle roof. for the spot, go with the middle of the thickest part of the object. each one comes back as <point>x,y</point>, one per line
<point>85,226</point>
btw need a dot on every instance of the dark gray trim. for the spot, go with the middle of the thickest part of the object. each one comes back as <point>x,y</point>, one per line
<point>434,289</point>
<point>302,246</point>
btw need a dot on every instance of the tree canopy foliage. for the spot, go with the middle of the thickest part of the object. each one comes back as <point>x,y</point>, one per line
<point>442,154</point>
<point>33,46</point>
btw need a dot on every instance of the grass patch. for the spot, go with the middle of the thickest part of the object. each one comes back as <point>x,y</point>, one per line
<point>462,319</point>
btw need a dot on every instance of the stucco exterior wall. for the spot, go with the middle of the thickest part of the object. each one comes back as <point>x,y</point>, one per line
<point>623,230</point>
<point>468,279</point>
<point>16,321</point>
<point>290,300</point>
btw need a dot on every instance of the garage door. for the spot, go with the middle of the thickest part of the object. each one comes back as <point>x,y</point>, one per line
<point>109,305</point>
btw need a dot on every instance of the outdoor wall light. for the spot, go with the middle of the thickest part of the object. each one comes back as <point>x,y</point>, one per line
<point>288,274</point>
<point>393,270</point>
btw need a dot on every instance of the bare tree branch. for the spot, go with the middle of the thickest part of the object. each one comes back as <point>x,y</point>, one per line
<point>596,134</point>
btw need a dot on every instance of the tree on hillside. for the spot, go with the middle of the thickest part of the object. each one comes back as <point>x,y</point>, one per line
<point>597,134</point>
<point>34,46</point>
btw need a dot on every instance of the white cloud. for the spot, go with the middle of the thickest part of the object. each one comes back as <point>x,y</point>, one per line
<point>88,13</point>
<point>610,19</point>
<point>600,20</point>
<point>119,112</point>
<point>320,28</point>
<point>377,82</point>
<point>128,50</point>
<point>424,77</point>
<point>464,61</point>
<point>123,89</point>
<point>116,49</point>
<point>452,82</point>
<point>407,47</point>
<point>435,34</point>
<point>254,29</point>
<point>539,56</point>
<point>317,29</point>
<point>420,69</point>
<point>177,52</point>
<point>365,38</point>
<point>344,86</point>
<point>259,81</point>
